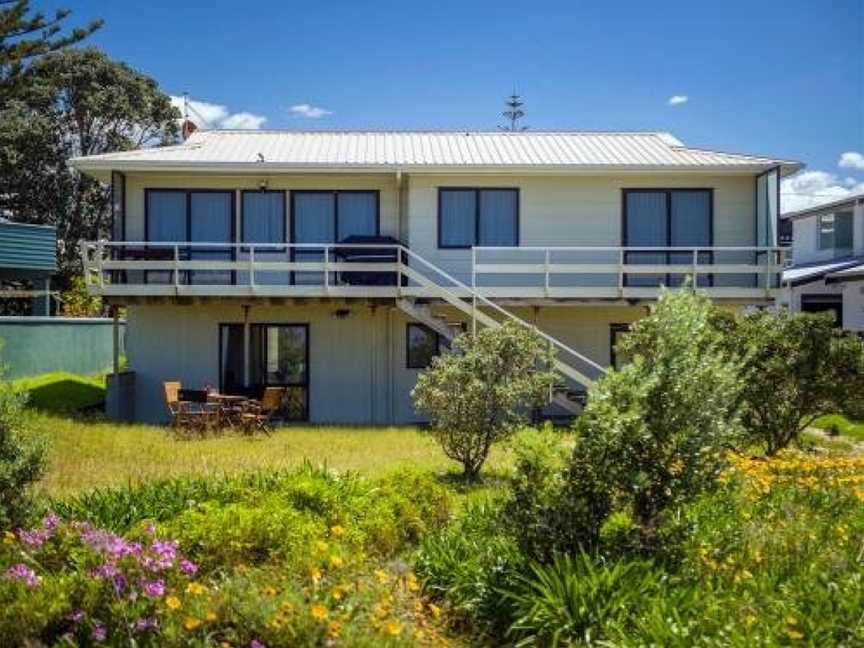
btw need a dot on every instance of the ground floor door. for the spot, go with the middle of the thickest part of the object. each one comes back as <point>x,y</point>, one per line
<point>255,356</point>
<point>824,303</point>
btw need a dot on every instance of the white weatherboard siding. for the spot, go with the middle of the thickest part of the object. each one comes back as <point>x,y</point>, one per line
<point>576,211</point>
<point>357,366</point>
<point>805,237</point>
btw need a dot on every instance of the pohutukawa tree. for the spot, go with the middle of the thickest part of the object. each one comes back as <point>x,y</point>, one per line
<point>482,392</point>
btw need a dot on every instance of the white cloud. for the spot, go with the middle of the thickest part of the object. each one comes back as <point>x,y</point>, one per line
<point>677,100</point>
<point>245,120</point>
<point>811,188</point>
<point>308,110</point>
<point>851,160</point>
<point>218,116</point>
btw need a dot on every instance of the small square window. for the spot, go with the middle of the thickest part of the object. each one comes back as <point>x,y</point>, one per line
<point>423,345</point>
<point>835,231</point>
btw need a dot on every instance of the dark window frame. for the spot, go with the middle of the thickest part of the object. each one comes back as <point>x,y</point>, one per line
<point>668,191</point>
<point>478,191</point>
<point>335,193</point>
<point>188,192</point>
<point>441,342</point>
<point>221,326</point>
<point>836,215</point>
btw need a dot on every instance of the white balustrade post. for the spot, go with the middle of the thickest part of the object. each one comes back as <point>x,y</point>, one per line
<point>251,266</point>
<point>326,264</point>
<point>176,266</point>
<point>546,272</point>
<point>620,272</point>
<point>100,260</point>
<point>695,269</point>
<point>473,291</point>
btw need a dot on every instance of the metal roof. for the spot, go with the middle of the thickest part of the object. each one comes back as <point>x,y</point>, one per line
<point>803,274</point>
<point>248,150</point>
<point>828,206</point>
<point>854,273</point>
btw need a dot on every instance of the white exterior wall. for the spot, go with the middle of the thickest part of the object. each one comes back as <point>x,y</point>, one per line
<point>805,238</point>
<point>574,210</point>
<point>853,300</point>
<point>357,365</point>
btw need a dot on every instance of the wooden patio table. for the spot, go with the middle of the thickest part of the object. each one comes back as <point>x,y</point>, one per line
<point>230,406</point>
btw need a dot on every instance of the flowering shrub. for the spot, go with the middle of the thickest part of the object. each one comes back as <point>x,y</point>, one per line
<point>306,559</point>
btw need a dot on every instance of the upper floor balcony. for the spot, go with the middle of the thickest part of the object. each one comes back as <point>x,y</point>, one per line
<point>390,270</point>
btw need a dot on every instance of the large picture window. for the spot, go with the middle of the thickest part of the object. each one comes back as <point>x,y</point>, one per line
<point>191,216</point>
<point>664,218</point>
<point>835,231</point>
<point>329,217</point>
<point>478,217</point>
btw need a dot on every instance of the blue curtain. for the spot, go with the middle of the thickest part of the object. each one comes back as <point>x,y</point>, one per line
<point>210,221</point>
<point>166,221</point>
<point>314,222</point>
<point>458,211</point>
<point>264,222</point>
<point>646,226</point>
<point>498,217</point>
<point>358,214</point>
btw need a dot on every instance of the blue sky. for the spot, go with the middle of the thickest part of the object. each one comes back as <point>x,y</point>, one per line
<point>784,78</point>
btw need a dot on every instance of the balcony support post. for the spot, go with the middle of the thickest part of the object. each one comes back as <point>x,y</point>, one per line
<point>695,269</point>
<point>326,263</point>
<point>546,273</point>
<point>176,267</point>
<point>251,266</point>
<point>620,272</point>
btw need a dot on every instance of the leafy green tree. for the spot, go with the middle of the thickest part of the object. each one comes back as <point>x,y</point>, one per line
<point>480,394</point>
<point>22,457</point>
<point>653,435</point>
<point>75,102</point>
<point>797,367</point>
<point>26,36</point>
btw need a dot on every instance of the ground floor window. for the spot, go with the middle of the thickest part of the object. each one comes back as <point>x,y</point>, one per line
<point>617,359</point>
<point>278,356</point>
<point>822,304</point>
<point>423,344</point>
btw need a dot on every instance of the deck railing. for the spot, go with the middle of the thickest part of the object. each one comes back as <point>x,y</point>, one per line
<point>141,268</point>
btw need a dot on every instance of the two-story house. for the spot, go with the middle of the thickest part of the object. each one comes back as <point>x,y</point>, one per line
<point>339,263</point>
<point>827,265</point>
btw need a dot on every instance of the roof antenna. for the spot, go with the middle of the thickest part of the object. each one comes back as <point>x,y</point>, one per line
<point>513,113</point>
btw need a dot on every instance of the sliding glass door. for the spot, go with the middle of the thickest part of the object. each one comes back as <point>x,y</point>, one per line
<point>199,216</point>
<point>279,356</point>
<point>666,218</point>
<point>262,220</point>
<point>329,217</point>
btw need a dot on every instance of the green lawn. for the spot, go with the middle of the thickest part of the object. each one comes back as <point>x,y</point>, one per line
<point>847,428</point>
<point>90,453</point>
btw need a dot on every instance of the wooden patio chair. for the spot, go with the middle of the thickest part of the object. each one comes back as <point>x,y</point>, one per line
<point>183,416</point>
<point>257,415</point>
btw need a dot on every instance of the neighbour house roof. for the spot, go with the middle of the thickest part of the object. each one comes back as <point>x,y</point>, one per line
<point>804,274</point>
<point>413,151</point>
<point>825,207</point>
<point>853,273</point>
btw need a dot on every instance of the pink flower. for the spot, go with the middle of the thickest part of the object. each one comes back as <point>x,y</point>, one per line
<point>24,573</point>
<point>154,589</point>
<point>257,644</point>
<point>98,633</point>
<point>146,623</point>
<point>188,567</point>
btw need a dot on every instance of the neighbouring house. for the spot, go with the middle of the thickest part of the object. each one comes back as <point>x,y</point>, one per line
<point>339,264</point>
<point>28,259</point>
<point>827,265</point>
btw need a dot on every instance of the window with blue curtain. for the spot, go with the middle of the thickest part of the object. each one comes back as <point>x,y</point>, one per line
<point>665,218</point>
<point>329,217</point>
<point>211,221</point>
<point>189,216</point>
<point>263,221</point>
<point>484,217</point>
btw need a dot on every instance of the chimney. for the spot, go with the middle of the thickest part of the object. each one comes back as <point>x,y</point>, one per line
<point>188,128</point>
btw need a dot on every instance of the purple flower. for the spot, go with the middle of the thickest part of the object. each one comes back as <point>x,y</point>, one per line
<point>188,567</point>
<point>24,573</point>
<point>146,623</point>
<point>33,537</point>
<point>257,644</point>
<point>50,522</point>
<point>77,616</point>
<point>150,529</point>
<point>154,589</point>
<point>119,584</point>
<point>106,570</point>
<point>98,633</point>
